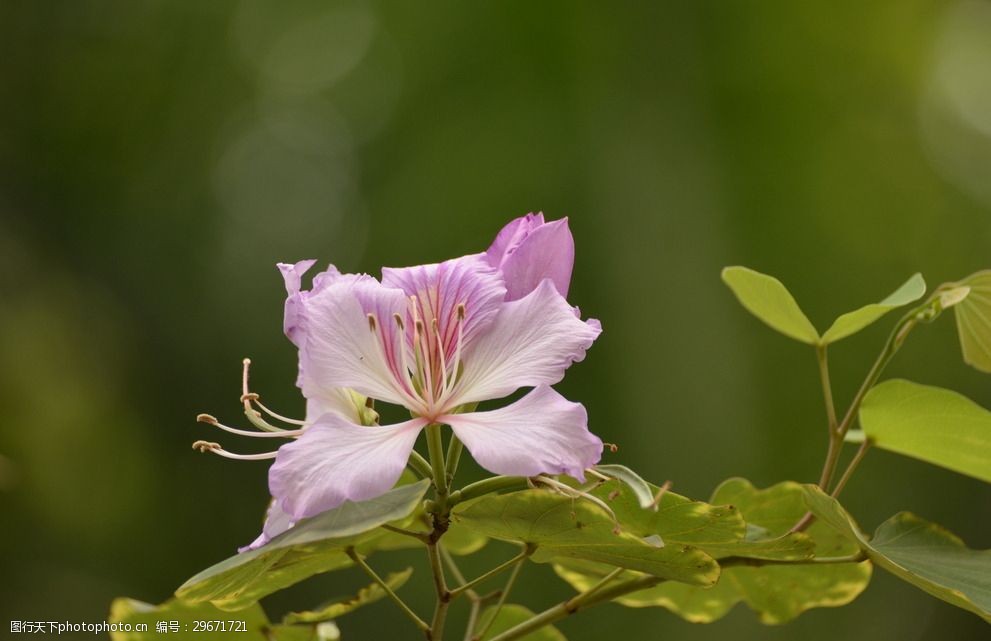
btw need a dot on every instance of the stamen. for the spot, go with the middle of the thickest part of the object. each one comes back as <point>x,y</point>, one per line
<point>660,495</point>
<point>214,448</point>
<point>443,361</point>
<point>428,382</point>
<point>372,323</point>
<point>210,420</point>
<point>403,359</point>
<point>456,365</point>
<point>253,415</point>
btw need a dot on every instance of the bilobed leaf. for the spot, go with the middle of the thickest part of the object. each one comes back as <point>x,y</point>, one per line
<point>313,546</point>
<point>932,424</point>
<point>766,298</point>
<point>509,616</point>
<point>852,322</point>
<point>922,553</point>
<point>564,527</point>
<point>125,610</point>
<point>366,595</point>
<point>974,320</point>
<point>778,593</point>
<point>719,530</point>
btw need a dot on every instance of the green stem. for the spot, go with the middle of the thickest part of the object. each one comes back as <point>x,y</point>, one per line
<point>435,447</point>
<point>827,388</point>
<point>487,486</point>
<point>454,449</point>
<point>436,631</point>
<point>851,467</point>
<point>420,465</point>
<point>502,601</point>
<point>575,604</point>
<point>422,537</point>
<point>502,567</point>
<point>420,623</point>
<point>895,340</point>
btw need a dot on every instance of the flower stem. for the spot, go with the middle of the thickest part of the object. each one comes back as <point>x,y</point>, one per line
<point>454,449</point>
<point>420,623</point>
<point>487,486</point>
<point>435,447</point>
<point>420,465</point>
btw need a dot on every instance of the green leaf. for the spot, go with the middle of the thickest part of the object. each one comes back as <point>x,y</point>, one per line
<point>778,593</point>
<point>313,546</point>
<point>640,488</point>
<point>564,527</point>
<point>184,615</point>
<point>974,320</point>
<point>365,596</point>
<point>931,424</point>
<point>766,298</point>
<point>718,530</point>
<point>852,322</point>
<point>922,553</point>
<point>509,616</point>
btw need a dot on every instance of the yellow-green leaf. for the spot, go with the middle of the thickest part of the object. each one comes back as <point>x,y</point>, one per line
<point>183,616</point>
<point>777,593</point>
<point>565,527</point>
<point>852,322</point>
<point>766,298</point>
<point>922,553</point>
<point>974,320</point>
<point>338,608</point>
<point>313,546</point>
<point>929,423</point>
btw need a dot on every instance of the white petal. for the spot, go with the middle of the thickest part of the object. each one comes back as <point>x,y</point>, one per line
<point>336,461</point>
<point>344,348</point>
<point>542,433</point>
<point>532,341</point>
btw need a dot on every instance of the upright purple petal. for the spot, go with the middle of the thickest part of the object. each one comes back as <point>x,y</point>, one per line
<point>542,433</point>
<point>531,342</point>
<point>336,461</point>
<point>294,319</point>
<point>440,288</point>
<point>528,250</point>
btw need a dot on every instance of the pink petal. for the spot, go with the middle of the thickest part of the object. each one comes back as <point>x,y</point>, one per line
<point>352,340</point>
<point>276,522</point>
<point>294,311</point>
<point>534,251</point>
<point>510,236</point>
<point>542,433</point>
<point>441,287</point>
<point>531,342</point>
<point>336,461</point>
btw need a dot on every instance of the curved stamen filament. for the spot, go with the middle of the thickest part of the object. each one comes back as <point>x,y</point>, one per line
<point>285,419</point>
<point>214,448</point>
<point>381,336</point>
<point>210,420</point>
<point>251,413</point>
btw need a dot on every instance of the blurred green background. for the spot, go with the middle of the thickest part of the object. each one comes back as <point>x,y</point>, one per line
<point>157,159</point>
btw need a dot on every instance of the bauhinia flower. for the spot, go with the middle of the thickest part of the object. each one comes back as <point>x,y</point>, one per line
<point>437,339</point>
